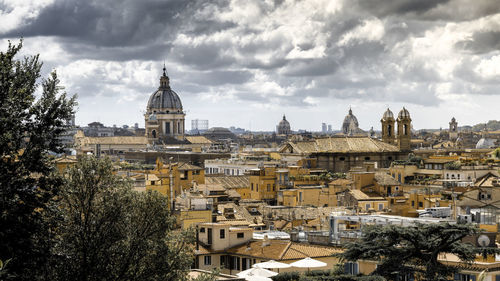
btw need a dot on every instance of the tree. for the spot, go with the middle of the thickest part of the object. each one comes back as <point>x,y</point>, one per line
<point>30,127</point>
<point>413,250</point>
<point>109,231</point>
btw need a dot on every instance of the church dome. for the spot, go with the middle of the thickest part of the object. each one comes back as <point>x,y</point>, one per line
<point>404,114</point>
<point>164,99</point>
<point>485,143</point>
<point>388,115</point>
<point>284,127</point>
<point>350,124</point>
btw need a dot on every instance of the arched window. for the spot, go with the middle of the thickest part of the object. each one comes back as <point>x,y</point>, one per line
<point>405,129</point>
<point>389,128</point>
<point>154,134</point>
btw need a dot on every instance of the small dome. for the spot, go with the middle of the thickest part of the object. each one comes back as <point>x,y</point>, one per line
<point>484,143</point>
<point>165,99</point>
<point>284,127</point>
<point>404,114</point>
<point>388,115</point>
<point>350,124</point>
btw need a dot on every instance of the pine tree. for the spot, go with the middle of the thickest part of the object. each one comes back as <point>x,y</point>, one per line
<point>414,250</point>
<point>30,128</point>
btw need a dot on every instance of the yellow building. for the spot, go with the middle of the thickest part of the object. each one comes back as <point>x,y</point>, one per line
<point>62,163</point>
<point>181,176</point>
<point>263,184</point>
<point>190,218</point>
<point>232,250</point>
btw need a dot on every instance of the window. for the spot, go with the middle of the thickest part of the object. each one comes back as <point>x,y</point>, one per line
<point>257,187</point>
<point>464,277</point>
<point>207,260</point>
<point>367,158</point>
<point>202,230</point>
<point>251,186</point>
<point>380,206</point>
<point>396,188</point>
<point>351,268</point>
<point>413,203</point>
<point>268,187</point>
<point>274,187</point>
<point>240,235</point>
<point>367,206</point>
<point>420,204</point>
<point>222,233</point>
<point>342,158</point>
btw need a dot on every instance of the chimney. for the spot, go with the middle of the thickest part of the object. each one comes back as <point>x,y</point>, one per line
<point>266,241</point>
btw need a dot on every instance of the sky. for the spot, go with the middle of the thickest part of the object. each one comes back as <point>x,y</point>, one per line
<point>245,63</point>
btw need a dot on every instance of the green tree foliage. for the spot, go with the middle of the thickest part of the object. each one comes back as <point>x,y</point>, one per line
<point>413,250</point>
<point>30,127</point>
<point>326,275</point>
<point>492,125</point>
<point>455,165</point>
<point>108,231</point>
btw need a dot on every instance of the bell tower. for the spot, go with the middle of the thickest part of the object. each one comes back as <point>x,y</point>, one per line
<point>388,127</point>
<point>404,130</point>
<point>453,132</point>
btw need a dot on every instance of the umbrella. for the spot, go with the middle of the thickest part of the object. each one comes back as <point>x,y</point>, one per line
<point>272,264</point>
<point>256,272</point>
<point>258,278</point>
<point>308,263</point>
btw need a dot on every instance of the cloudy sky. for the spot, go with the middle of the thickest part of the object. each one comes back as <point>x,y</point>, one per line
<point>245,63</point>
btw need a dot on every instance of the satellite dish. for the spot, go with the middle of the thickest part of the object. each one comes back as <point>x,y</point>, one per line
<point>483,240</point>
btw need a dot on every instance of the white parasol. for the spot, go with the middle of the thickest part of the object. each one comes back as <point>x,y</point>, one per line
<point>272,264</point>
<point>256,272</point>
<point>308,263</point>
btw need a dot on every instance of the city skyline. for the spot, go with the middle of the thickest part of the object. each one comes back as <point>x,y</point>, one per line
<point>246,63</point>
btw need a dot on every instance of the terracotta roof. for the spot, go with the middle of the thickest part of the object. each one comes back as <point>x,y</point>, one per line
<point>385,179</point>
<point>85,141</point>
<point>341,182</point>
<point>340,145</point>
<point>187,166</point>
<point>360,195</point>
<point>282,250</point>
<point>229,181</point>
<point>486,180</point>
<point>198,140</point>
<point>66,159</point>
<point>471,199</point>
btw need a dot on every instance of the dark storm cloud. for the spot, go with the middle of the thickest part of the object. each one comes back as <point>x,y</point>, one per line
<point>202,56</point>
<point>218,77</point>
<point>311,67</point>
<point>218,52</point>
<point>154,51</point>
<point>481,42</point>
<point>117,28</point>
<point>397,7</point>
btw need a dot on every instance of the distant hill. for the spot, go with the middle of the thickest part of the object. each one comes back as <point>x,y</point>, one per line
<point>492,125</point>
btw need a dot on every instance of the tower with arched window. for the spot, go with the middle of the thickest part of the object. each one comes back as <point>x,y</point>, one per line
<point>404,130</point>
<point>388,127</point>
